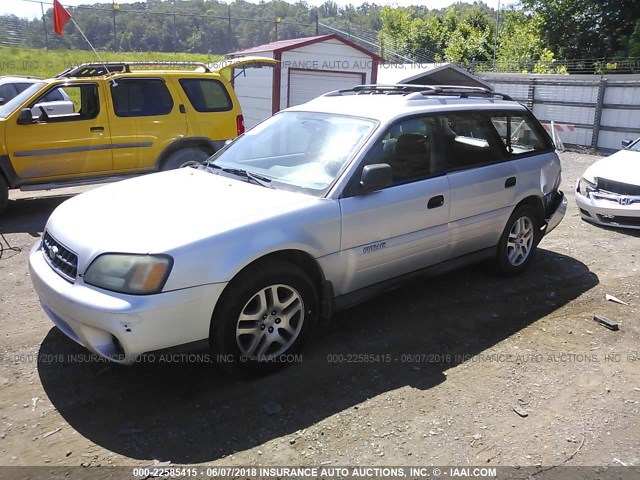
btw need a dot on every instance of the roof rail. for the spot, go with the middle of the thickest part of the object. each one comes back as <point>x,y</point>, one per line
<point>107,68</point>
<point>419,91</point>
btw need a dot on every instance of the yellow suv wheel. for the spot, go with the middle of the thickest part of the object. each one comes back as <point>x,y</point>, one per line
<point>186,157</point>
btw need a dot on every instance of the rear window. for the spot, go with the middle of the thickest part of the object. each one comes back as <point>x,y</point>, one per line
<point>207,95</point>
<point>141,98</point>
<point>7,91</point>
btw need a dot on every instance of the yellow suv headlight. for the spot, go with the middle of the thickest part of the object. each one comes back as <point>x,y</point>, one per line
<point>129,273</point>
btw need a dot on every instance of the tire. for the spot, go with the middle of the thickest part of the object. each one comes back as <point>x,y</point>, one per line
<point>519,241</point>
<point>186,157</point>
<point>4,194</point>
<point>263,316</point>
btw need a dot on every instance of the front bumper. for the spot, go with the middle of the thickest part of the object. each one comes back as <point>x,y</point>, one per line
<point>555,211</point>
<point>121,327</point>
<point>609,210</point>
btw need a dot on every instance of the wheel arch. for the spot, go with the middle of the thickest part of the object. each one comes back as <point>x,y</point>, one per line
<point>301,259</point>
<point>535,202</point>
<point>205,144</point>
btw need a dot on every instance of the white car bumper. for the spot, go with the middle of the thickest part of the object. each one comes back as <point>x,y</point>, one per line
<point>122,327</point>
<point>613,211</point>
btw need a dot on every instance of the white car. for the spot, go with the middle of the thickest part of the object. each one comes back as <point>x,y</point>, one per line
<point>56,103</point>
<point>317,208</point>
<point>609,191</point>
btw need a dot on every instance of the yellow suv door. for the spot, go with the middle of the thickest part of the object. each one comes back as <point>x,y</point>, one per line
<point>62,146</point>
<point>146,117</point>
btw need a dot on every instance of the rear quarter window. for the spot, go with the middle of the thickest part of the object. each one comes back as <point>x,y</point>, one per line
<point>207,95</point>
<point>520,134</point>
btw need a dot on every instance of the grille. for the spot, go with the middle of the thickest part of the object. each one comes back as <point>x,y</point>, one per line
<point>618,187</point>
<point>620,220</point>
<point>61,259</point>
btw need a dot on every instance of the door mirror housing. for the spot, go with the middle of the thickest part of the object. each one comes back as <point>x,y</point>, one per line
<point>626,143</point>
<point>26,117</point>
<point>2,101</point>
<point>375,177</point>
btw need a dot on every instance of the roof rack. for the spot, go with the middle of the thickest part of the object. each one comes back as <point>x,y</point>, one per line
<point>108,68</point>
<point>419,91</point>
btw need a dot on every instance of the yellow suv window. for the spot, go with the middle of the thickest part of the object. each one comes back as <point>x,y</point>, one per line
<point>141,98</point>
<point>206,95</point>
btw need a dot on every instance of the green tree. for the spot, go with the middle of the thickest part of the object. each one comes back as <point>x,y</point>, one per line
<point>520,42</point>
<point>586,28</point>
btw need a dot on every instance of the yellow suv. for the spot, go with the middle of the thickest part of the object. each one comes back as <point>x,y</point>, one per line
<point>126,119</point>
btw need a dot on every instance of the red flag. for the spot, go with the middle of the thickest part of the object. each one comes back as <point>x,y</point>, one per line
<point>60,17</point>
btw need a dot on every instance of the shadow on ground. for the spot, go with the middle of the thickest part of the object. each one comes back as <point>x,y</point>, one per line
<point>190,413</point>
<point>29,215</point>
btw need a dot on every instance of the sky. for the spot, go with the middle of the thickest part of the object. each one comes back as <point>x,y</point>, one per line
<point>31,8</point>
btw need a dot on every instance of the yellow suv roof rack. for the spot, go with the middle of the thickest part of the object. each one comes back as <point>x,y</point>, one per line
<point>108,68</point>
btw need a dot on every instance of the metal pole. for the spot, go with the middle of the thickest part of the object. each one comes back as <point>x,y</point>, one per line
<point>230,32</point>
<point>495,44</point>
<point>175,34</point>
<point>115,33</point>
<point>44,23</point>
<point>317,25</point>
<point>276,29</point>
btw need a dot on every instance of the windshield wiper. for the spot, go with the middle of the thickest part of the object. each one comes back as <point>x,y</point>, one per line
<point>239,172</point>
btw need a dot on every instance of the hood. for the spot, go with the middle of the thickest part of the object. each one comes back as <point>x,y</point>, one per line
<point>622,166</point>
<point>158,212</point>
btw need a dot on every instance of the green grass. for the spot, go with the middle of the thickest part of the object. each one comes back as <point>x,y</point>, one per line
<point>47,63</point>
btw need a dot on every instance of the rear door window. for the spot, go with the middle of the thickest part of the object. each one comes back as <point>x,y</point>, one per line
<point>141,98</point>
<point>469,140</point>
<point>206,95</point>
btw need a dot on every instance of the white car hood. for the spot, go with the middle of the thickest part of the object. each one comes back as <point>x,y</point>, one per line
<point>156,213</point>
<point>622,166</point>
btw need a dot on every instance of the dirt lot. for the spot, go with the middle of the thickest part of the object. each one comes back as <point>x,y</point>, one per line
<point>451,358</point>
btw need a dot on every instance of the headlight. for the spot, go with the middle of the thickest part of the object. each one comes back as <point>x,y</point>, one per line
<point>132,274</point>
<point>585,187</point>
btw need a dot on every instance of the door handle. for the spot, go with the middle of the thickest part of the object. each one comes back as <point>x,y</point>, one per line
<point>510,182</point>
<point>97,129</point>
<point>435,202</point>
<point>49,109</point>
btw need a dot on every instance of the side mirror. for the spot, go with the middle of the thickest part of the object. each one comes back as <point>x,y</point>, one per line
<point>377,176</point>
<point>2,101</point>
<point>626,143</point>
<point>26,117</point>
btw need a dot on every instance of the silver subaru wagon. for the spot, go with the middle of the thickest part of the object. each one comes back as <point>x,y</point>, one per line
<point>313,210</point>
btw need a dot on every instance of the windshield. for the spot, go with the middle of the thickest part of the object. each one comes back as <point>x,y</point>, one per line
<point>15,102</point>
<point>298,151</point>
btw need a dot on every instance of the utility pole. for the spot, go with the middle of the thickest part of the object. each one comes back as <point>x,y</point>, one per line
<point>495,44</point>
<point>230,30</point>
<point>115,32</point>
<point>44,23</point>
<point>278,20</point>
<point>175,34</point>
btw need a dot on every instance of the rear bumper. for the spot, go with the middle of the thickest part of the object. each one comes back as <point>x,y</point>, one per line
<point>556,208</point>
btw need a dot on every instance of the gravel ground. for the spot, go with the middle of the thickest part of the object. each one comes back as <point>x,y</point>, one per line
<point>468,369</point>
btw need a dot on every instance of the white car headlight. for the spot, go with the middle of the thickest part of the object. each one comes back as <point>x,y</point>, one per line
<point>585,187</point>
<point>129,273</point>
